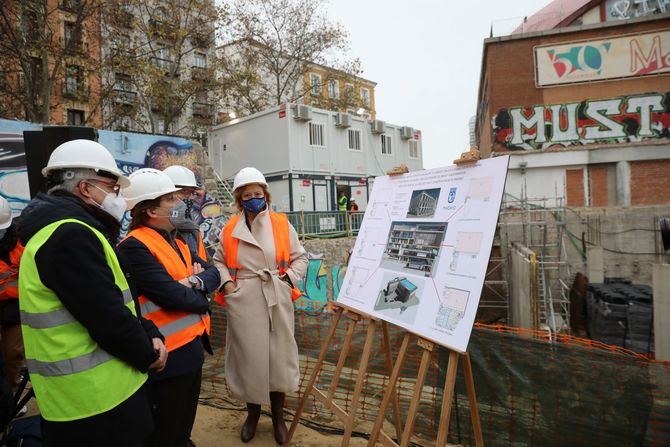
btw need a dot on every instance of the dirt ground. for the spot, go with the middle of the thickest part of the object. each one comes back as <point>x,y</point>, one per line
<point>217,427</point>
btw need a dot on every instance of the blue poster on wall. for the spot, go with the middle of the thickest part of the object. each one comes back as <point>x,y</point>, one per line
<point>132,151</point>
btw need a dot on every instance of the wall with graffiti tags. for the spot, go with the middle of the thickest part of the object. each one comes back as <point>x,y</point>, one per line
<point>132,151</point>
<point>325,273</point>
<point>618,120</point>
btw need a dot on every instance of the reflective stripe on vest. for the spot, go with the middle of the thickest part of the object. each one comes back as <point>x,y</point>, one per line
<point>178,327</point>
<point>69,366</point>
<point>282,238</point>
<point>73,377</point>
<point>57,317</point>
<point>9,284</point>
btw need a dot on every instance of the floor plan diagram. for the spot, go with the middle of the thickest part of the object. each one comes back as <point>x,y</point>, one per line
<point>467,244</point>
<point>453,303</point>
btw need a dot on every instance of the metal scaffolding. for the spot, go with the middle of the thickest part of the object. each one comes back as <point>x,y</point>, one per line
<point>538,225</point>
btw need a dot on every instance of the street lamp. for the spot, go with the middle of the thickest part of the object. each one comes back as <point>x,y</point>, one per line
<point>360,111</point>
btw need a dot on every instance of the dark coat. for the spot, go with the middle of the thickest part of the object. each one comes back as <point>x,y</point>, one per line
<point>72,263</point>
<point>154,282</point>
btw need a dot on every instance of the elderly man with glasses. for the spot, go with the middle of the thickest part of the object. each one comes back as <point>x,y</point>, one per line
<point>87,352</point>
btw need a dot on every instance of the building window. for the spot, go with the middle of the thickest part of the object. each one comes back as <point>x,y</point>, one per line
<point>74,81</point>
<point>386,145</point>
<point>72,37</point>
<point>354,140</point>
<point>123,123</point>
<point>161,127</point>
<point>315,83</point>
<point>316,134</point>
<point>365,97</point>
<point>122,42</point>
<point>334,89</point>
<point>75,117</point>
<point>200,60</point>
<point>413,149</point>
<point>164,58</point>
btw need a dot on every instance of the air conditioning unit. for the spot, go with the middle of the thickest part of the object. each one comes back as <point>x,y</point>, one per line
<point>407,133</point>
<point>342,120</point>
<point>378,126</point>
<point>302,112</point>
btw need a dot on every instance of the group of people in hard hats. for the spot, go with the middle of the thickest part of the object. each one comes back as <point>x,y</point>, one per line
<point>115,331</point>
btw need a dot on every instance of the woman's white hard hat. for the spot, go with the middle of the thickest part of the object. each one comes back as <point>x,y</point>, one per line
<point>247,176</point>
<point>147,184</point>
<point>181,176</point>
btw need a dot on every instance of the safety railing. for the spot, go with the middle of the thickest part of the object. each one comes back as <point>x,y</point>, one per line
<point>325,224</point>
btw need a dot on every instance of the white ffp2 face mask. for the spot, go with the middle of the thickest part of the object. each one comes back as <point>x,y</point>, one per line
<point>112,204</point>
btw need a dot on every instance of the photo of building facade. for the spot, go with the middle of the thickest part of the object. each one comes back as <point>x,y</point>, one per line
<point>413,247</point>
<point>423,203</point>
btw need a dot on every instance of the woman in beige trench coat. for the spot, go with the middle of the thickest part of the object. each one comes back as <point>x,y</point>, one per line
<point>261,351</point>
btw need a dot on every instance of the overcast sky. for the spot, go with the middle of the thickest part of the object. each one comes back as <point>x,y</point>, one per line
<point>425,56</point>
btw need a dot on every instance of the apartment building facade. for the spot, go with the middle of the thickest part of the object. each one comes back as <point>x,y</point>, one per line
<point>255,84</point>
<point>49,62</point>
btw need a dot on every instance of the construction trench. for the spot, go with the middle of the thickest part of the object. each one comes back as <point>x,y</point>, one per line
<point>535,386</point>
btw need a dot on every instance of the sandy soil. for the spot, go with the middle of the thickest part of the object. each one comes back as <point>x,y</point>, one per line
<point>219,427</point>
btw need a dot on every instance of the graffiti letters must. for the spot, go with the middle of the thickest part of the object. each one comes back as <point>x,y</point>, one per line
<point>617,120</point>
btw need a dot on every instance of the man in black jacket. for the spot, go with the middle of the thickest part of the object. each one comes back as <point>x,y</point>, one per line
<point>74,264</point>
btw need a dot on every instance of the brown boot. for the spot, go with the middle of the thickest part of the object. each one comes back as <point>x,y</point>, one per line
<point>249,427</point>
<point>278,424</point>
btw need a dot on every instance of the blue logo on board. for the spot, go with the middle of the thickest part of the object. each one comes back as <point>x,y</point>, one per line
<point>452,195</point>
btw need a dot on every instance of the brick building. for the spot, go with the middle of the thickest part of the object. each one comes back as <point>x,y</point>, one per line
<point>579,96</point>
<point>49,61</point>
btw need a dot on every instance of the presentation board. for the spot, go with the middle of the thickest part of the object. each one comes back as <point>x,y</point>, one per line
<point>421,254</point>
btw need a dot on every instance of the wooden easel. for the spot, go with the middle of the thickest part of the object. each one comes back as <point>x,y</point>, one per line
<point>445,412</point>
<point>327,399</point>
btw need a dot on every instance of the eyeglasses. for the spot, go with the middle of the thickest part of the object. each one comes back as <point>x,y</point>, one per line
<point>255,195</point>
<point>115,189</point>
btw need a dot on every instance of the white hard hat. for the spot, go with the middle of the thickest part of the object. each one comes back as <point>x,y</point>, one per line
<point>147,184</point>
<point>247,176</point>
<point>5,213</point>
<point>86,154</point>
<point>181,176</point>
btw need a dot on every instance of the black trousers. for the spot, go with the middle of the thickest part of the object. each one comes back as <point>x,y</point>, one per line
<point>127,425</point>
<point>175,404</point>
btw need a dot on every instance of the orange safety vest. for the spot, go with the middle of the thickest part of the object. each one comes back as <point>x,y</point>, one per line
<point>282,237</point>
<point>178,327</point>
<point>9,274</point>
<point>202,252</point>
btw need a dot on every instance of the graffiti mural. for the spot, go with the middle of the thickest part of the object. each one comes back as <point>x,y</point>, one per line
<point>617,120</point>
<point>598,60</point>
<point>319,287</point>
<point>132,151</point>
<point>13,171</point>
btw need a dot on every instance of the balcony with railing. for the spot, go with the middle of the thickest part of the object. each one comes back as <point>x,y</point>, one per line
<point>203,110</point>
<point>70,5</point>
<point>74,47</point>
<point>167,65</point>
<point>77,91</point>
<point>125,97</point>
<point>202,40</point>
<point>201,73</point>
<point>162,28</point>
